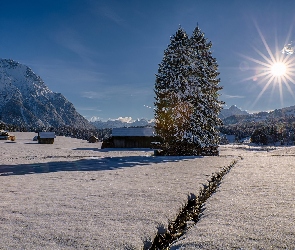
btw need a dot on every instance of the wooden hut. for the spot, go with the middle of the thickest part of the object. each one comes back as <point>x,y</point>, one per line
<point>46,137</point>
<point>130,138</point>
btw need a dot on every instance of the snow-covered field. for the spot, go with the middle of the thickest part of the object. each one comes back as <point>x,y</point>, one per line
<point>74,195</point>
<point>254,208</point>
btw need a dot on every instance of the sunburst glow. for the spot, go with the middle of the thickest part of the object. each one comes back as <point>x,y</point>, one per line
<point>276,69</point>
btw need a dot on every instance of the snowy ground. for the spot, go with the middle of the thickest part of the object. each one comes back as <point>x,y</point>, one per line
<point>254,208</point>
<point>74,195</point>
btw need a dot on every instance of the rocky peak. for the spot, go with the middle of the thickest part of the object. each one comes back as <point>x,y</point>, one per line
<point>232,110</point>
<point>26,101</point>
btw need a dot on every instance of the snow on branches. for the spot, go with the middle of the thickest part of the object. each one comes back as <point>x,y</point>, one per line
<point>186,89</point>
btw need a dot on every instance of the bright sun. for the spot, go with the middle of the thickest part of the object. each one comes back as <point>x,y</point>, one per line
<point>278,69</point>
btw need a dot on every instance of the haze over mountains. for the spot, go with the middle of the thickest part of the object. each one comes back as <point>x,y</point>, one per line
<point>26,101</point>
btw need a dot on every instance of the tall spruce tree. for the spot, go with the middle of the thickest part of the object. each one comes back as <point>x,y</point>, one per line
<point>207,105</point>
<point>186,88</point>
<point>171,77</point>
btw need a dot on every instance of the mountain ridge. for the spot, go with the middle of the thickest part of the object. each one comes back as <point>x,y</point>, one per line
<point>119,123</point>
<point>262,116</point>
<point>26,101</point>
<point>231,115</point>
<point>232,110</point>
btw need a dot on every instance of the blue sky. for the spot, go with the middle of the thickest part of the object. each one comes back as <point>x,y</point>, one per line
<point>102,55</point>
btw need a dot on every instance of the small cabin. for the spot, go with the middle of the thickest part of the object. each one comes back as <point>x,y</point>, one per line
<point>46,137</point>
<point>130,138</point>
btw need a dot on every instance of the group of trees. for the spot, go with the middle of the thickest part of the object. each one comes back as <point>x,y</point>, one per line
<point>273,131</point>
<point>12,128</point>
<point>187,102</point>
<point>67,131</point>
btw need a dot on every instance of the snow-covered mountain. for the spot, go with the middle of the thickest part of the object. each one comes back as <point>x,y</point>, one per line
<point>26,101</point>
<point>263,116</point>
<point>120,124</point>
<point>128,122</point>
<point>233,110</point>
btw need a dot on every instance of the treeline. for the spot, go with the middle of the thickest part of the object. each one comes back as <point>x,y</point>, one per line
<point>80,133</point>
<point>67,131</point>
<point>272,131</point>
<point>12,128</point>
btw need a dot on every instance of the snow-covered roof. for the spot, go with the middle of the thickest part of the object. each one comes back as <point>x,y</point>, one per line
<point>46,134</point>
<point>133,132</point>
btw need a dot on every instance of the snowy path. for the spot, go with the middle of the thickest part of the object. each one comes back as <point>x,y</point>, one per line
<point>254,208</point>
<point>72,195</point>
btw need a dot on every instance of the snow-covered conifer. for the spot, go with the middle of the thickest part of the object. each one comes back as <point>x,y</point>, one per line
<point>170,80</point>
<point>186,88</point>
<point>204,77</point>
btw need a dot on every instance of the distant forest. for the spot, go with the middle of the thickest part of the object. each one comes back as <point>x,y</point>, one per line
<point>270,131</point>
<point>68,131</point>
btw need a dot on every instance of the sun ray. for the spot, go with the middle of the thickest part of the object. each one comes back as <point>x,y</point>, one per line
<point>265,78</point>
<point>279,56</point>
<point>262,91</point>
<point>281,92</point>
<point>255,76</point>
<point>264,57</point>
<point>266,73</point>
<point>272,93</point>
<point>289,33</point>
<point>289,62</point>
<point>265,43</point>
<point>255,60</point>
<point>290,79</point>
<point>287,59</point>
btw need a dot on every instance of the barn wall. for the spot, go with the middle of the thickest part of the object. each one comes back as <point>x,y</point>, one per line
<point>133,141</point>
<point>46,140</point>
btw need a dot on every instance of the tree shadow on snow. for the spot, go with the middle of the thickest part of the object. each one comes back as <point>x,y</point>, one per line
<point>116,149</point>
<point>89,164</point>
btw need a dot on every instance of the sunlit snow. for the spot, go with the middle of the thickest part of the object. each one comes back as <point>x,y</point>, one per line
<point>74,195</point>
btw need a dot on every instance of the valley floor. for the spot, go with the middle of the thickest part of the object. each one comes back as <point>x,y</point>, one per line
<point>74,195</point>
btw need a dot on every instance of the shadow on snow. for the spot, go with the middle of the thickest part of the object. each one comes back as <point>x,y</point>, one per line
<point>89,164</point>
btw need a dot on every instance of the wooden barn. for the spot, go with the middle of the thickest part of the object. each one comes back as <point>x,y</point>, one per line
<point>130,138</point>
<point>46,137</point>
